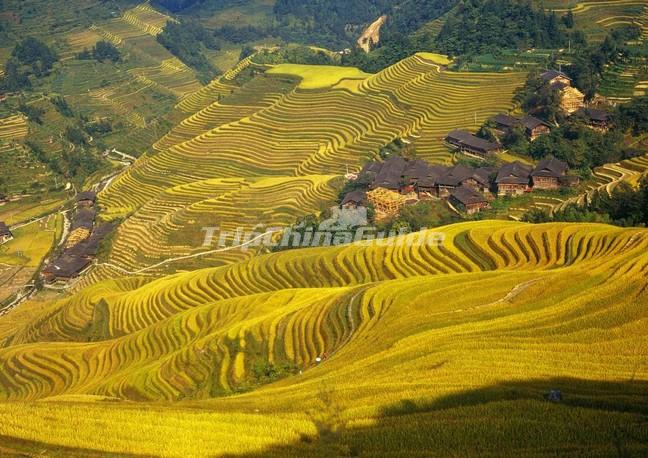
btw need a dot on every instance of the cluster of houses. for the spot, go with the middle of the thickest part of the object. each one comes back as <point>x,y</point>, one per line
<point>5,233</point>
<point>82,244</point>
<point>572,103</point>
<point>398,182</point>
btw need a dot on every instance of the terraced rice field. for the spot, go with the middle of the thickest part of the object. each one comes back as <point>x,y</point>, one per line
<point>609,176</point>
<point>461,340</point>
<point>605,179</point>
<point>619,82</point>
<point>13,128</point>
<point>596,17</point>
<point>269,128</point>
<point>20,258</point>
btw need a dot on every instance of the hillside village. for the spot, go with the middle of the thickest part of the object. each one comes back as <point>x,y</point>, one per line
<point>82,244</point>
<point>397,182</point>
<point>390,185</point>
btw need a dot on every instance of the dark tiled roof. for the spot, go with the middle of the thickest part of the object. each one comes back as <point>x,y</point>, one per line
<point>595,114</point>
<point>514,173</point>
<point>416,169</point>
<point>550,167</point>
<point>530,122</point>
<point>371,167</point>
<point>354,196</point>
<point>391,173</point>
<point>467,196</point>
<point>4,229</point>
<point>86,195</point>
<point>551,74</point>
<point>67,266</point>
<point>84,219</point>
<point>455,176</point>
<point>90,246</point>
<point>483,175</point>
<point>470,141</point>
<point>506,120</point>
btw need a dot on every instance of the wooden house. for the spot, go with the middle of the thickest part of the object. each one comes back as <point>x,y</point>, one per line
<point>65,268</point>
<point>547,173</point>
<point>354,199</point>
<point>468,143</point>
<point>554,78</point>
<point>391,174</point>
<point>596,118</point>
<point>86,199</point>
<point>468,200</point>
<point>452,179</point>
<point>571,100</point>
<point>532,126</point>
<point>5,233</point>
<point>513,179</point>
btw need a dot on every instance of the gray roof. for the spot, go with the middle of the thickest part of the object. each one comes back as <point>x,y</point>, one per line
<point>84,219</point>
<point>595,114</point>
<point>86,195</point>
<point>483,175</point>
<point>391,173</point>
<point>470,141</point>
<point>67,266</point>
<point>356,196</point>
<point>506,120</point>
<point>551,74</point>
<point>455,175</point>
<point>467,196</point>
<point>550,167</point>
<point>530,122</point>
<point>4,229</point>
<point>514,173</point>
<point>416,169</point>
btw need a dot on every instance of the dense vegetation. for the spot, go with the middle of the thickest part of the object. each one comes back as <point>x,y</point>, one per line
<point>186,41</point>
<point>30,57</point>
<point>573,140</point>
<point>295,55</point>
<point>624,206</point>
<point>102,51</point>
<point>481,26</point>
<point>590,62</point>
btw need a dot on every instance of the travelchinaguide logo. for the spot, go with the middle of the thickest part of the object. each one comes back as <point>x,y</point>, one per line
<point>346,225</point>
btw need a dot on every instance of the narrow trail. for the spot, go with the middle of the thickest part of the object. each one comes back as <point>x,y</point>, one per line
<point>182,258</point>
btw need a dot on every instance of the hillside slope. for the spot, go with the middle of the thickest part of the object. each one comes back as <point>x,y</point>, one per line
<point>377,344</point>
<point>269,128</point>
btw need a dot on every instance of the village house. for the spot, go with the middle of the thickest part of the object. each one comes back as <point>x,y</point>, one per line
<point>482,179</point>
<point>468,143</point>
<point>86,199</point>
<point>571,99</point>
<point>5,233</point>
<point>532,126</point>
<point>554,77</point>
<point>76,259</point>
<point>353,199</point>
<point>548,173</point>
<point>390,176</point>
<point>65,268</point>
<point>513,179</point>
<point>452,179</point>
<point>468,200</point>
<point>596,118</point>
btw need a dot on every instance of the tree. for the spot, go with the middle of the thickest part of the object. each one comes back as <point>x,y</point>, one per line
<point>105,50</point>
<point>568,19</point>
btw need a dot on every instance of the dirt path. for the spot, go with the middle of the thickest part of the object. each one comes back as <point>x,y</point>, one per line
<point>371,35</point>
